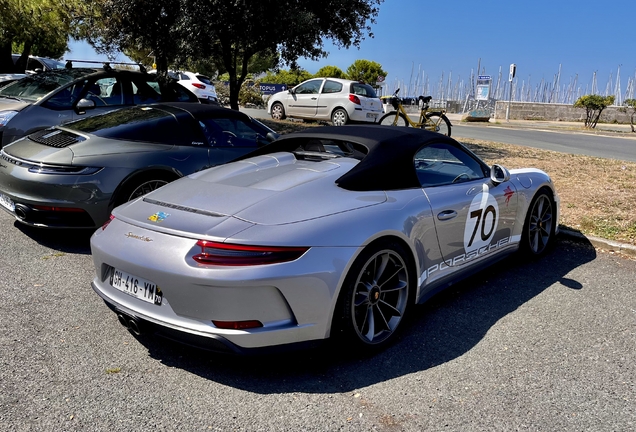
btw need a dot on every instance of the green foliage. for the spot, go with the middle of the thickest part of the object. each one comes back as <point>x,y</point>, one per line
<point>222,92</point>
<point>40,27</point>
<point>630,107</point>
<point>330,72</point>
<point>250,94</point>
<point>366,71</point>
<point>289,77</point>
<point>219,29</point>
<point>594,106</point>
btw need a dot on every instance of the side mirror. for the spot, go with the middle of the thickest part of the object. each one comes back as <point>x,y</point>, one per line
<point>499,174</point>
<point>291,91</point>
<point>84,104</point>
<point>271,136</point>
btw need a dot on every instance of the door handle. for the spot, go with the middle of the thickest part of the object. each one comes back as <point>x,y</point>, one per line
<point>446,215</point>
<point>314,98</point>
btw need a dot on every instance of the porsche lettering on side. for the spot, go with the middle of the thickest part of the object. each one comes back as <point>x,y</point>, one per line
<point>332,232</point>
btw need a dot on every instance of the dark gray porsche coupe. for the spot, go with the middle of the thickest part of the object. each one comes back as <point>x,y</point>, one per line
<point>72,176</point>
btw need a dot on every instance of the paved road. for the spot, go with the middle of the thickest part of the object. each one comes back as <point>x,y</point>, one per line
<point>615,147</point>
<point>622,148</point>
<point>538,346</point>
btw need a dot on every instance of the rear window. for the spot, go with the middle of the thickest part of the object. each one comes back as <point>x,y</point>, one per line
<point>134,124</point>
<point>204,79</point>
<point>363,90</point>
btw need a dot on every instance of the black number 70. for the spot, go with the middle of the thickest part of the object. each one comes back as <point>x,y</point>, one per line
<point>481,217</point>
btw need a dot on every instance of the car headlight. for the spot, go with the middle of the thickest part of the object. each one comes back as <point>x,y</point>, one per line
<point>5,116</point>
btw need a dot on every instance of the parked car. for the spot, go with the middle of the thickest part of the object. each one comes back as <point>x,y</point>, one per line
<point>39,64</point>
<point>6,79</point>
<point>55,97</point>
<point>328,232</point>
<point>72,176</point>
<point>330,99</point>
<point>198,84</point>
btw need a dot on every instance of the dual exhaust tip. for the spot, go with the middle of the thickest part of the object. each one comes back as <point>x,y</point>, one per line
<point>134,325</point>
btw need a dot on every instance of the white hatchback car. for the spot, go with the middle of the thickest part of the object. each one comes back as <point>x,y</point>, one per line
<point>337,100</point>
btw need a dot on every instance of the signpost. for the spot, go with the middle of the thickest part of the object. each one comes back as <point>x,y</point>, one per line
<point>513,71</point>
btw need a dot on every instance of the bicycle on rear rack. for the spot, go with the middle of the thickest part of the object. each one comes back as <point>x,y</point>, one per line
<point>433,119</point>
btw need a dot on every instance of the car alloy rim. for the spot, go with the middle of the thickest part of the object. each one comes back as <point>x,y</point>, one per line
<point>339,118</point>
<point>146,187</point>
<point>380,297</point>
<point>277,112</point>
<point>540,227</point>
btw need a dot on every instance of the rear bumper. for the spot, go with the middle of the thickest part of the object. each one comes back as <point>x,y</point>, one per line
<point>209,342</point>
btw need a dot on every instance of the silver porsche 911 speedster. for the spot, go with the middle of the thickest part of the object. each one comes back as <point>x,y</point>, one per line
<point>328,232</point>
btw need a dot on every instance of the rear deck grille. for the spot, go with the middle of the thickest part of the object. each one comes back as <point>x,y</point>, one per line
<point>55,138</point>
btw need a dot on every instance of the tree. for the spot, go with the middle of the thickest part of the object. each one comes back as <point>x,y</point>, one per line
<point>235,31</point>
<point>140,27</point>
<point>594,106</point>
<point>366,71</point>
<point>330,72</point>
<point>630,105</point>
<point>40,27</point>
<point>290,77</point>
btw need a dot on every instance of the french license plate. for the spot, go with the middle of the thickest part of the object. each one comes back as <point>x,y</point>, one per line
<point>142,289</point>
<point>7,203</point>
<point>372,115</point>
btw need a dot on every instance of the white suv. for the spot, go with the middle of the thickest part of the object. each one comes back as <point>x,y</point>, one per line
<point>337,100</point>
<point>198,84</point>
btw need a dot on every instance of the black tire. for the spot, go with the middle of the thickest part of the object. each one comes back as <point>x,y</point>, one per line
<point>374,297</point>
<point>539,226</point>
<point>442,124</point>
<point>141,186</point>
<point>339,117</point>
<point>390,119</point>
<point>278,111</point>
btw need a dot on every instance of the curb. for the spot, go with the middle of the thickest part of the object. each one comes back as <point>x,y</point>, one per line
<point>610,245</point>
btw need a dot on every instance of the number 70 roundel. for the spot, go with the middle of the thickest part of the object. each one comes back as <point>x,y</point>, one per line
<point>481,221</point>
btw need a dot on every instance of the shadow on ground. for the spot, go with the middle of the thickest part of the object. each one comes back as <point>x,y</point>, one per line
<point>443,329</point>
<point>63,240</point>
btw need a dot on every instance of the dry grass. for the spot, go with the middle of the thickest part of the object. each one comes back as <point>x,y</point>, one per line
<point>598,196</point>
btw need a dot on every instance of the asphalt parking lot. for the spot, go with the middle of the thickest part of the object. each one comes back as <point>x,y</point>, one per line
<point>546,345</point>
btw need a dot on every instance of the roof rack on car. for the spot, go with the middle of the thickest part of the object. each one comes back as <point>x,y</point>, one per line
<point>106,64</point>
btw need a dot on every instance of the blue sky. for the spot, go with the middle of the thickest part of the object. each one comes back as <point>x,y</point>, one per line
<point>453,37</point>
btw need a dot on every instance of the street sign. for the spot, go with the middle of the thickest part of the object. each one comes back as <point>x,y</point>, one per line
<point>513,71</point>
<point>483,87</point>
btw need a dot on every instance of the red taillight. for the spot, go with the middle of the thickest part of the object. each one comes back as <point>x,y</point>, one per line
<point>110,219</point>
<point>355,99</point>
<point>238,325</point>
<point>58,209</point>
<point>214,253</point>
<point>200,86</point>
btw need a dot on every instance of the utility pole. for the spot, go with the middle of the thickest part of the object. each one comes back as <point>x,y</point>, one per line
<point>513,71</point>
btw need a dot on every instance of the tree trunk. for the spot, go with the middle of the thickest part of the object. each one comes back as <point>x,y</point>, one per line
<point>235,88</point>
<point>6,62</point>
<point>21,64</point>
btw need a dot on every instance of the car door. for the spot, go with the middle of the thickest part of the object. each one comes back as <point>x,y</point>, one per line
<point>473,215</point>
<point>302,100</point>
<point>331,95</point>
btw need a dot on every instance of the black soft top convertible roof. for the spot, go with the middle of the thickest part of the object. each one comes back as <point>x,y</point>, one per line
<point>390,153</point>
